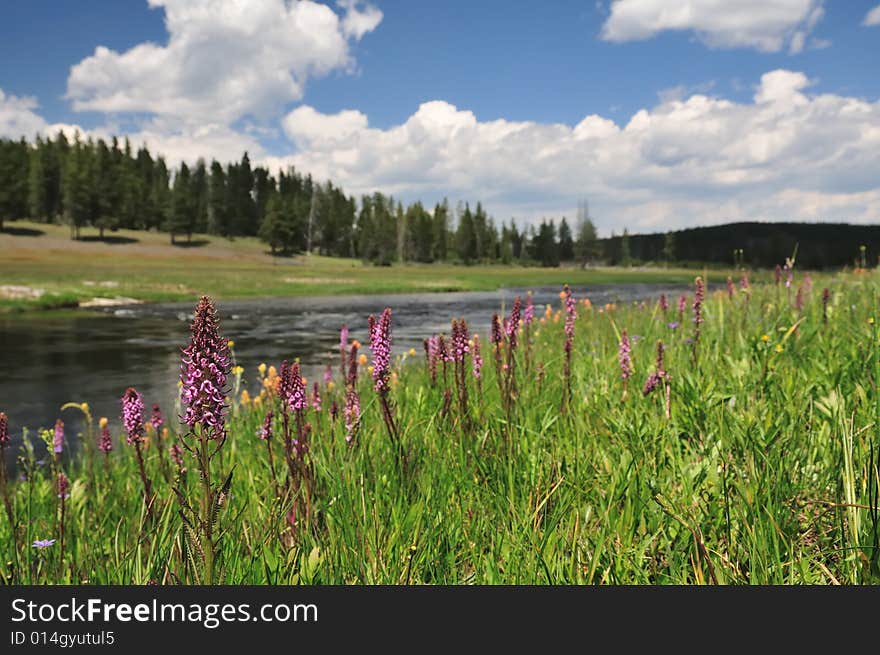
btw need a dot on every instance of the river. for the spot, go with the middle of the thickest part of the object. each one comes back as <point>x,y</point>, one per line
<point>49,361</point>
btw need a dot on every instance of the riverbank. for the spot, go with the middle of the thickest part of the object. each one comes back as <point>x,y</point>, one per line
<point>43,269</point>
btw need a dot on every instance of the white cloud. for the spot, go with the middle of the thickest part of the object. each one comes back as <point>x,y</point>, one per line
<point>872,18</point>
<point>17,117</point>
<point>224,59</point>
<point>786,154</point>
<point>358,22</point>
<point>766,25</point>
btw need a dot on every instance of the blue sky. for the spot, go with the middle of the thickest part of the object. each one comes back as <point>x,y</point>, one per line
<point>482,100</point>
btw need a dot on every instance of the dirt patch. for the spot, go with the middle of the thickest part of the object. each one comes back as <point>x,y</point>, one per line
<point>19,292</point>
<point>319,280</point>
<point>110,302</point>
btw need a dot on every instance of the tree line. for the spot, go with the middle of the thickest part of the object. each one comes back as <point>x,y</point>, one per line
<point>109,186</point>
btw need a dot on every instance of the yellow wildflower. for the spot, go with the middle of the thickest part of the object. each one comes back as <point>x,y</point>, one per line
<point>103,422</point>
<point>412,351</point>
<point>245,397</point>
<point>765,338</point>
<point>230,343</point>
<point>262,369</point>
<point>362,359</point>
<point>779,348</point>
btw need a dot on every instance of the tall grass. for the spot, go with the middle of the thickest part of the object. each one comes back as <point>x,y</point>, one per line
<point>753,463</point>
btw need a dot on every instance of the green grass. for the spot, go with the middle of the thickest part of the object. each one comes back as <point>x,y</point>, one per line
<point>763,474</point>
<point>149,269</point>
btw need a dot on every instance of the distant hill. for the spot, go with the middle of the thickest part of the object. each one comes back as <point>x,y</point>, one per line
<point>819,245</point>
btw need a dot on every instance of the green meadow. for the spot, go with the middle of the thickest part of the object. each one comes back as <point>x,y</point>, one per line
<point>754,460</point>
<point>42,268</point>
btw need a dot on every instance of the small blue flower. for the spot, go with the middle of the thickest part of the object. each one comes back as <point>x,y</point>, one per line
<point>672,325</point>
<point>43,543</point>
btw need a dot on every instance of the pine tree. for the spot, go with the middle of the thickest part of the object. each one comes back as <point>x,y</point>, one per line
<point>217,201</point>
<point>466,238</point>
<point>566,243</point>
<point>440,231</point>
<point>37,183</point>
<point>76,187</point>
<point>625,257</point>
<point>182,217</point>
<point>275,229</point>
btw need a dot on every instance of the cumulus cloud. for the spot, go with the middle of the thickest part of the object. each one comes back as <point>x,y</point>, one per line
<point>224,59</point>
<point>872,18</point>
<point>765,25</point>
<point>18,119</point>
<point>786,154</point>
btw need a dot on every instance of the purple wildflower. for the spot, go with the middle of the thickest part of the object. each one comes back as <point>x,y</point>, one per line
<point>651,383</point>
<point>380,345</point>
<point>529,313</point>
<point>343,338</point>
<point>352,413</point>
<point>4,430</point>
<point>658,374</point>
<point>672,325</point>
<point>496,330</point>
<point>664,304</point>
<point>459,340</point>
<point>570,317</point>
<point>157,420</point>
<point>699,295</point>
<point>176,453</point>
<point>204,367</point>
<point>132,415</point>
<point>266,429</point>
<point>624,357</point>
<point>478,358</point>
<point>316,398</point>
<point>294,390</point>
<point>789,274</point>
<point>334,410</point>
<point>682,303</point>
<point>43,543</point>
<point>105,441</point>
<point>328,374</point>
<point>62,486</point>
<point>512,323</point>
<point>744,282</point>
<point>58,438</point>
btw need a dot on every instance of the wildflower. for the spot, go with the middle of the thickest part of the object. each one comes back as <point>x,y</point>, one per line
<point>624,357</point>
<point>43,543</point>
<point>664,304</point>
<point>157,420</point>
<point>4,431</point>
<point>105,441</point>
<point>343,338</point>
<point>230,344</point>
<point>204,367</point>
<point>133,415</point>
<point>294,393</point>
<point>779,348</point>
<point>176,453</point>
<point>58,438</point>
<point>362,359</point>
<point>789,265</point>
<point>351,413</point>
<point>62,486</point>
<point>102,422</point>
<point>658,374</point>
<point>682,303</point>
<point>459,340</point>
<point>744,282</point>
<point>570,317</point>
<point>328,375</point>
<point>266,429</point>
<point>380,345</point>
<point>478,359</point>
<point>699,295</point>
<point>316,398</point>
<point>245,398</point>
<point>334,410</point>
<point>529,313</point>
<point>496,329</point>
<point>672,325</point>
<point>411,352</point>
<point>262,369</point>
<point>765,338</point>
<point>512,322</point>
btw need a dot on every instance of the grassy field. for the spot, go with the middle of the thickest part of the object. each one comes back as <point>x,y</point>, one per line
<point>753,461</point>
<point>143,266</point>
